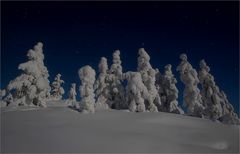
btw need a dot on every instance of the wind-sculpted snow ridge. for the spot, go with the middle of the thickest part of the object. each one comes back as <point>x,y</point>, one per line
<point>147,90</point>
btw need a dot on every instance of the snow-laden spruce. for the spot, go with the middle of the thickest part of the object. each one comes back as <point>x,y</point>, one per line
<point>57,91</point>
<point>146,90</point>
<point>114,79</point>
<point>166,84</point>
<point>2,93</point>
<point>229,116</point>
<point>191,93</point>
<point>136,92</point>
<point>215,101</point>
<point>210,93</point>
<point>101,86</point>
<point>7,100</point>
<point>87,76</point>
<point>72,96</point>
<point>153,102</point>
<point>32,86</point>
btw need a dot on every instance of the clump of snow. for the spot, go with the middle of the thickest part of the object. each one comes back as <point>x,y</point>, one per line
<point>31,87</point>
<point>87,76</point>
<point>57,90</point>
<point>191,93</point>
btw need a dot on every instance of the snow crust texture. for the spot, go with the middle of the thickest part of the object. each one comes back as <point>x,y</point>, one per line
<point>61,130</point>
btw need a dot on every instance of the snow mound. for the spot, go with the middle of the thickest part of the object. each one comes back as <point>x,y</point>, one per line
<point>60,129</point>
<point>220,145</point>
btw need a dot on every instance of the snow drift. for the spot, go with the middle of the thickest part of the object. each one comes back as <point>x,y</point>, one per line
<point>59,129</point>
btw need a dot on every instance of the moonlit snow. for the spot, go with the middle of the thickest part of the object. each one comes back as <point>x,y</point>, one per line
<point>59,129</point>
<point>134,111</point>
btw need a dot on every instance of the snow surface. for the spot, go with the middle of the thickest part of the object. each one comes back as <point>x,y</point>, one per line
<point>62,129</point>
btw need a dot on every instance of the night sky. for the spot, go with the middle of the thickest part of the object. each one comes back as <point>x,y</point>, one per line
<point>75,34</point>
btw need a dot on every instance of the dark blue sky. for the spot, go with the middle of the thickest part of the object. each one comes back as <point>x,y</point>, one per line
<point>79,33</point>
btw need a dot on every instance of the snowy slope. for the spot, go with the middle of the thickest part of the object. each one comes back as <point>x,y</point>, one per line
<point>61,129</point>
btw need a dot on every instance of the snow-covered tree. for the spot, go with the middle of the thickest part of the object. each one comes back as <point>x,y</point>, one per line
<point>31,87</point>
<point>136,92</point>
<point>101,86</point>
<point>72,95</point>
<point>149,78</point>
<point>57,90</point>
<point>210,93</point>
<point>9,100</point>
<point>114,79</point>
<point>191,94</point>
<point>229,115</point>
<point>168,91</point>
<point>2,93</point>
<point>87,77</point>
<point>215,101</point>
